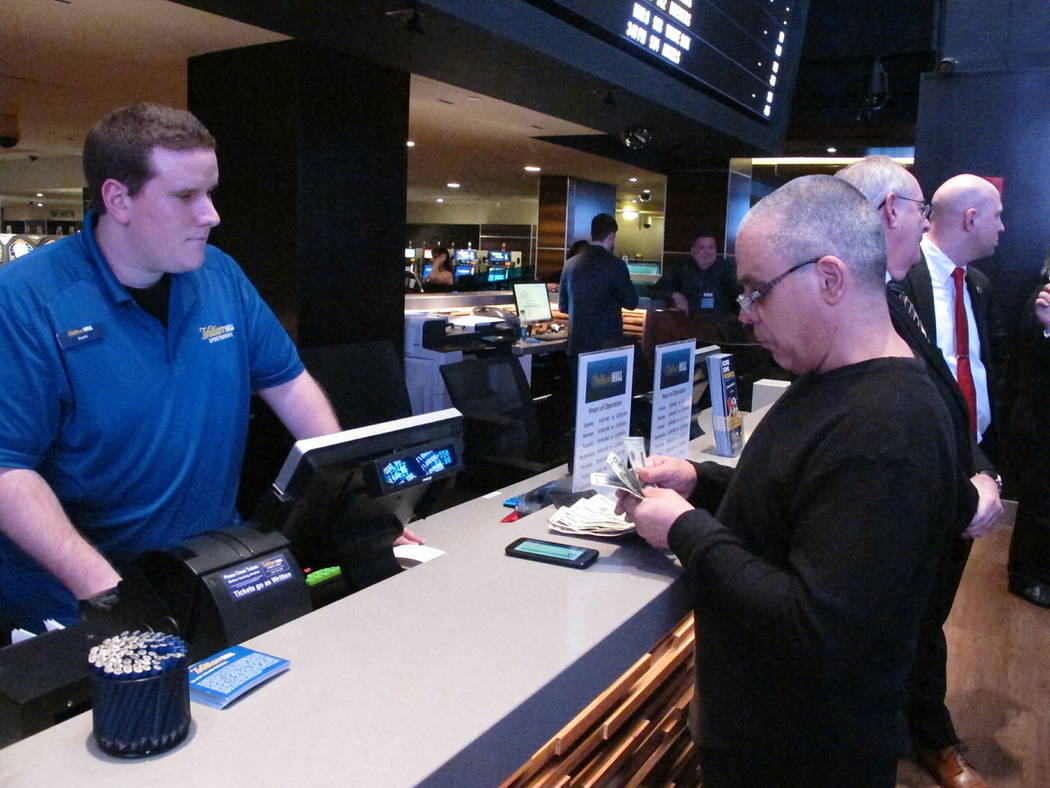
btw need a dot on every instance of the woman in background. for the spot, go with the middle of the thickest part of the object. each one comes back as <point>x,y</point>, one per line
<point>441,273</point>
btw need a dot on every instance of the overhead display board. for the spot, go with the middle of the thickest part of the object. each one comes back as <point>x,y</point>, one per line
<point>736,48</point>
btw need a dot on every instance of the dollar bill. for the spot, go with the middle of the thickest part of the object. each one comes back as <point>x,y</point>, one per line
<point>599,479</point>
<point>635,446</point>
<point>624,474</point>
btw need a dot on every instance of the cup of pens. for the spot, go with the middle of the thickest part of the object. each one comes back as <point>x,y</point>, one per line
<point>141,696</point>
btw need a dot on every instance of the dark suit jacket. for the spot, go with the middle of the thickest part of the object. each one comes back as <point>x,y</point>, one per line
<point>599,285</point>
<point>943,380</point>
<point>919,288</point>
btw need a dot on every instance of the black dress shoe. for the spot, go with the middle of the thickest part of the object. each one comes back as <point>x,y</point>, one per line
<point>1036,593</point>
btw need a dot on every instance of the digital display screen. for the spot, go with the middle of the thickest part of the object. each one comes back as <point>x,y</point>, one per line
<point>427,269</point>
<point>464,269</point>
<point>410,253</point>
<point>563,552</point>
<point>532,302</point>
<point>497,274</point>
<point>413,468</point>
<point>499,257</point>
<point>466,255</point>
<point>734,47</point>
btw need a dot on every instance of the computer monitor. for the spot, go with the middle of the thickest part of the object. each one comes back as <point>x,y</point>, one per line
<point>409,253</point>
<point>426,270</point>
<point>343,499</point>
<point>498,274</point>
<point>532,302</point>
<point>464,269</point>
<point>466,255</point>
<point>499,257</point>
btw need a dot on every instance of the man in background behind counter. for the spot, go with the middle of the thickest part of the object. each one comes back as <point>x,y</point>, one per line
<point>705,285</point>
<point>130,352</point>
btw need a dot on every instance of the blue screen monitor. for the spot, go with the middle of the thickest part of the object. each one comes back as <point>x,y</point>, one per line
<point>497,274</point>
<point>427,269</point>
<point>466,255</point>
<point>499,257</point>
<point>464,269</point>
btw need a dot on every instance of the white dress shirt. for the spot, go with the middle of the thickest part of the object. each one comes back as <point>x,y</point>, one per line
<point>944,311</point>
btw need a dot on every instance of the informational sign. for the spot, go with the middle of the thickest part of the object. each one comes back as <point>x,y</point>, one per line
<point>603,411</point>
<point>672,398</point>
<point>734,47</point>
<point>726,418</point>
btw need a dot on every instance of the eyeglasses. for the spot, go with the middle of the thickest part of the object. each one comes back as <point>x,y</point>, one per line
<point>925,210</point>
<point>747,301</point>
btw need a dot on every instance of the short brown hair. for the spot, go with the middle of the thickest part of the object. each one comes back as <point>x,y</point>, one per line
<point>120,144</point>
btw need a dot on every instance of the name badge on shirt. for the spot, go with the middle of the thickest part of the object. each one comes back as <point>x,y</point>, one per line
<point>707,300</point>
<point>78,336</point>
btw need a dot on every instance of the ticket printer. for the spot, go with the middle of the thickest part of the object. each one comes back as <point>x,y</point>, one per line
<point>213,590</point>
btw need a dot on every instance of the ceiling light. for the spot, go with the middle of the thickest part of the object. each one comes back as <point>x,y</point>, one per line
<point>452,185</point>
<point>473,98</point>
<point>410,144</point>
<point>39,194</point>
<point>39,205</point>
<point>531,168</point>
<point>629,213</point>
<point>833,150</point>
<point>440,199</point>
<point>773,161</point>
<point>632,180</point>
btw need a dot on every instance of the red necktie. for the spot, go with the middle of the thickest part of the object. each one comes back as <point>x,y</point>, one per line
<point>962,350</point>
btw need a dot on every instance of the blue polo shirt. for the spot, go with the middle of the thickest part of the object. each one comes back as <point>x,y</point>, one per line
<point>139,429</point>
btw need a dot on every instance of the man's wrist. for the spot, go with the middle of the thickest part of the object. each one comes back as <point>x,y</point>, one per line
<point>995,477</point>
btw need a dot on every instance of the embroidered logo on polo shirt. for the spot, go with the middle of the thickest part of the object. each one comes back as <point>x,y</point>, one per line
<point>216,333</point>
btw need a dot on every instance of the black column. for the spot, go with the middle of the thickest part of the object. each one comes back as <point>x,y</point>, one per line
<point>313,178</point>
<point>988,117</point>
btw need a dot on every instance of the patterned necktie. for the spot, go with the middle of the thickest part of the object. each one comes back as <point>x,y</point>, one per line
<point>909,307</point>
<point>962,350</point>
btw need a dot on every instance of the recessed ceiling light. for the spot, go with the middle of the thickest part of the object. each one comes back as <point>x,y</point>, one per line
<point>39,194</point>
<point>833,150</point>
<point>39,205</point>
<point>632,180</point>
<point>473,98</point>
<point>452,185</point>
<point>440,199</point>
<point>628,213</point>
<point>531,168</point>
<point>410,144</point>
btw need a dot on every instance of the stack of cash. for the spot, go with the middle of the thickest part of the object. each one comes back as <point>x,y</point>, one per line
<point>592,516</point>
<point>624,477</point>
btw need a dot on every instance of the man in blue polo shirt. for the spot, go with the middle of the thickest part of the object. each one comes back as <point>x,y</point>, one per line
<point>130,352</point>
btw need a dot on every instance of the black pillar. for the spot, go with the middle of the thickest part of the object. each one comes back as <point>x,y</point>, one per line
<point>313,178</point>
<point>988,117</point>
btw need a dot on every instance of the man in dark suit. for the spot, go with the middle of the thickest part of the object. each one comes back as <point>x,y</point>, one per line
<point>952,304</point>
<point>597,286</point>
